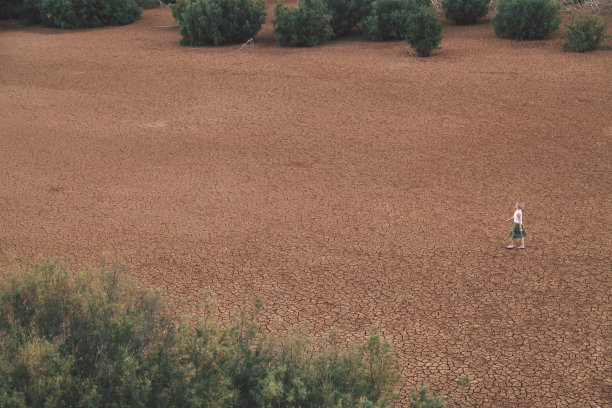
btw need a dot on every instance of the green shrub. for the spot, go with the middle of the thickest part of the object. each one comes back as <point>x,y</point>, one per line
<point>584,33</point>
<point>30,12</point>
<point>388,19</point>
<point>423,31</point>
<point>526,19</point>
<point>218,22</point>
<point>177,8</point>
<point>465,11</point>
<point>78,342</point>
<point>74,14</point>
<point>346,14</point>
<point>304,26</point>
<point>363,376</point>
<point>147,4</point>
<point>10,8</point>
<point>95,340</point>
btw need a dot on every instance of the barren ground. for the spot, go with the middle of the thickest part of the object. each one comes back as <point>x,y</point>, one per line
<point>350,185</point>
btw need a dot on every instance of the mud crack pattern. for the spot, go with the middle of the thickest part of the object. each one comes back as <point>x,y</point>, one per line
<point>348,186</point>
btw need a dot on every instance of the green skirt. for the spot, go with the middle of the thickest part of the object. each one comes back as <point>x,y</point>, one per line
<point>516,233</point>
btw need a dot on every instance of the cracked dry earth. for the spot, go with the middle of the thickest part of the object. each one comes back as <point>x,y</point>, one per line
<point>350,185</point>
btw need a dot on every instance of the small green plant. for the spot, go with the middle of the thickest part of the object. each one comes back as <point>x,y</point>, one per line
<point>420,399</point>
<point>464,382</point>
<point>218,22</point>
<point>388,19</point>
<point>423,31</point>
<point>465,11</point>
<point>75,14</point>
<point>526,19</point>
<point>306,25</point>
<point>346,14</point>
<point>584,32</point>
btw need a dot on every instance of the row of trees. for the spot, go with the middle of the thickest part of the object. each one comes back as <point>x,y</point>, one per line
<point>75,14</point>
<point>313,22</point>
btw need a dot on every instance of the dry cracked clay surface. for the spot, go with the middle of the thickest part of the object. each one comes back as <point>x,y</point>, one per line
<point>347,186</point>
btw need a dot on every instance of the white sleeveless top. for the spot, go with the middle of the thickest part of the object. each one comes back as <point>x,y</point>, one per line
<point>518,216</point>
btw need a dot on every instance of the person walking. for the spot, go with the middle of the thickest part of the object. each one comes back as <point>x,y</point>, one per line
<point>518,230</point>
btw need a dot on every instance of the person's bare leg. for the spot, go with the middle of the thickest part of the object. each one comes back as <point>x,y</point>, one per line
<point>511,244</point>
<point>522,243</point>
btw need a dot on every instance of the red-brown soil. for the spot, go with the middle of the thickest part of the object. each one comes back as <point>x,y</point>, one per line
<point>349,185</point>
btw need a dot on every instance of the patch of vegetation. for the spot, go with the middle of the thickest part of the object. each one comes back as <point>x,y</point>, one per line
<point>423,31</point>
<point>96,340</point>
<point>218,22</point>
<point>74,14</point>
<point>148,4</point>
<point>346,14</point>
<point>526,19</point>
<point>388,19</point>
<point>584,32</point>
<point>465,11</point>
<point>464,382</point>
<point>10,8</point>
<point>30,12</point>
<point>306,25</point>
<point>420,399</point>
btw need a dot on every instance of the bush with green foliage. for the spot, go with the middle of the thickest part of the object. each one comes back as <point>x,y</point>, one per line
<point>96,340</point>
<point>218,22</point>
<point>423,31</point>
<point>10,8</point>
<point>526,19</point>
<point>148,4</point>
<point>584,32</point>
<point>74,14</point>
<point>388,19</point>
<point>177,8</point>
<point>306,25</point>
<point>30,12</point>
<point>346,14</point>
<point>465,11</point>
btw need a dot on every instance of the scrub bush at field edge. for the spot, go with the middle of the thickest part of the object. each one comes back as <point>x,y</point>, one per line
<point>584,32</point>
<point>10,8</point>
<point>423,31</point>
<point>148,4</point>
<point>76,14</point>
<point>465,11</point>
<point>218,22</point>
<point>526,19</point>
<point>306,25</point>
<point>388,19</point>
<point>346,14</point>
<point>94,339</point>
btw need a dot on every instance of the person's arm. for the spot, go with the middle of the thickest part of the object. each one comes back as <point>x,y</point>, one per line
<point>521,220</point>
